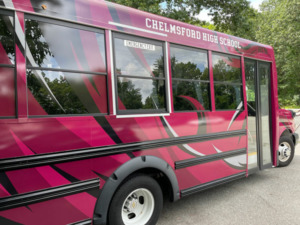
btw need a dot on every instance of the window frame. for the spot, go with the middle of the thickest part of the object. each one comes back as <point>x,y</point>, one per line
<point>139,112</point>
<point>228,82</point>
<point>13,66</point>
<point>74,25</point>
<point>184,47</point>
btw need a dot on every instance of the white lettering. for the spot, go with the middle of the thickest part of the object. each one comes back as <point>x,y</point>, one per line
<point>172,29</point>
<point>154,24</point>
<point>166,28</point>
<point>188,32</point>
<point>198,35</point>
<point>134,44</point>
<point>183,31</point>
<point>148,21</point>
<point>193,34</point>
<point>178,30</point>
<point>161,27</point>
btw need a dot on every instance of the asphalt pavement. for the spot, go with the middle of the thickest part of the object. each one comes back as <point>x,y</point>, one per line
<point>271,196</point>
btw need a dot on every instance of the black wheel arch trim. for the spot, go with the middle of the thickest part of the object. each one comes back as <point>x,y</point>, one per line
<point>123,172</point>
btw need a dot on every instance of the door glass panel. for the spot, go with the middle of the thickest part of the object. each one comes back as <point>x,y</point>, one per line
<point>264,79</point>
<point>250,73</point>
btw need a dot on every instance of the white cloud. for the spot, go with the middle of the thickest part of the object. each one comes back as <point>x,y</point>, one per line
<point>255,3</point>
<point>204,16</point>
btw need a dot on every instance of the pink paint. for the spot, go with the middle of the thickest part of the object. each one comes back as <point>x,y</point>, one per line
<point>4,59</point>
<point>7,92</point>
<point>88,131</point>
<point>3,192</point>
<point>20,17</point>
<point>23,5</point>
<point>21,83</point>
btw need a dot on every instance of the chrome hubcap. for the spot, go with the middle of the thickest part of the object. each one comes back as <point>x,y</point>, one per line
<point>138,207</point>
<point>284,151</point>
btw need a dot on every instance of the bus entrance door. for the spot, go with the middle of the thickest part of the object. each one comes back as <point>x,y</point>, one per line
<point>259,117</point>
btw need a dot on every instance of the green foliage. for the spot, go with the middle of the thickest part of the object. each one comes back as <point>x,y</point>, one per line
<point>34,37</point>
<point>129,95</point>
<point>6,37</point>
<point>61,89</point>
<point>279,26</point>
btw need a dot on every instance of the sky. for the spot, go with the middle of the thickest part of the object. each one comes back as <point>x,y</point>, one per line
<point>204,13</point>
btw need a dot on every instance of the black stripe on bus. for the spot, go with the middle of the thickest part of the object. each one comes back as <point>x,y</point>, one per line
<point>211,184</point>
<point>6,221</point>
<point>208,158</point>
<point>48,194</point>
<point>79,154</point>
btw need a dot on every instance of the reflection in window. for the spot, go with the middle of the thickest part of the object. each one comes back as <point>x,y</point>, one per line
<point>7,92</point>
<point>74,49</point>
<point>188,95</point>
<point>227,68</point>
<point>190,79</point>
<point>250,71</point>
<point>141,93</point>
<point>227,81</point>
<point>66,74</point>
<point>188,63</point>
<point>135,61</point>
<point>62,92</point>
<point>227,96</point>
<point>140,76</point>
<point>7,67</point>
<point>7,47</point>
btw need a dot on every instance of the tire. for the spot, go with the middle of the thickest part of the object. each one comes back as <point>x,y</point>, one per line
<point>138,201</point>
<point>286,151</point>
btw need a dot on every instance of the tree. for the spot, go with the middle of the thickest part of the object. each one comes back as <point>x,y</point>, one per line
<point>279,26</point>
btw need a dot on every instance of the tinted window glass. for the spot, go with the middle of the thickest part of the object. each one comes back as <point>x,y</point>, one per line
<point>66,93</point>
<point>190,79</point>
<point>190,95</point>
<point>227,96</point>
<point>138,57</point>
<point>7,47</point>
<point>140,77</point>
<point>141,93</point>
<point>72,49</point>
<point>250,71</point>
<point>189,64</point>
<point>227,68</point>
<point>7,92</point>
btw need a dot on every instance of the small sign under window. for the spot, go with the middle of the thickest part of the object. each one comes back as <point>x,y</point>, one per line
<point>135,44</point>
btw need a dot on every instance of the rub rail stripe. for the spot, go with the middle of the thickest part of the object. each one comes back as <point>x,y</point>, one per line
<point>48,194</point>
<point>83,222</point>
<point>212,184</point>
<point>209,158</point>
<point>79,154</point>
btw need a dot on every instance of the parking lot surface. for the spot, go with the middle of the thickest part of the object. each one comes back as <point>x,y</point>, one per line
<point>271,196</point>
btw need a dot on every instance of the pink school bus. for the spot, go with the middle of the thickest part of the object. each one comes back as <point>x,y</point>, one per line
<point>105,110</point>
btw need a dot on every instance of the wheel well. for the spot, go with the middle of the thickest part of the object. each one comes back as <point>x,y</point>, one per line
<point>161,179</point>
<point>288,133</point>
<point>149,165</point>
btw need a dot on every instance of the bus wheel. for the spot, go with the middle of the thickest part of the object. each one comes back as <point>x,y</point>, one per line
<point>138,201</point>
<point>286,151</point>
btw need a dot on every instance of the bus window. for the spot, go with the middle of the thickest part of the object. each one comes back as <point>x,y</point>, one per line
<point>227,81</point>
<point>65,75</point>
<point>140,75</point>
<point>190,79</point>
<point>7,66</point>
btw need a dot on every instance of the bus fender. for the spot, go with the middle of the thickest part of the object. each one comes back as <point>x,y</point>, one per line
<point>125,170</point>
